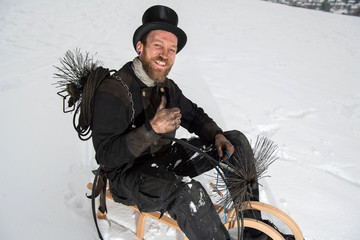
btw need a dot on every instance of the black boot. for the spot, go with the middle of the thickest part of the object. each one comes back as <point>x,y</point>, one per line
<point>257,235</point>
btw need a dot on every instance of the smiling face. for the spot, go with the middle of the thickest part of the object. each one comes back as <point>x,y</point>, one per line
<point>158,54</point>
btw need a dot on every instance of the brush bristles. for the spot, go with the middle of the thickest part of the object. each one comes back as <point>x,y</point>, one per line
<point>80,77</point>
<point>247,169</point>
<point>74,70</point>
<point>264,155</point>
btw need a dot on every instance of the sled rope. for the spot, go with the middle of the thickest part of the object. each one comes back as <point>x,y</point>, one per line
<point>217,180</point>
<point>227,172</point>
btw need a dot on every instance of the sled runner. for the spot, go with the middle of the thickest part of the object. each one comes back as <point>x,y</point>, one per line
<point>231,222</point>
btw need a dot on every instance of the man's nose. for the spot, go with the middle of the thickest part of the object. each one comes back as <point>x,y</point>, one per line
<point>164,53</point>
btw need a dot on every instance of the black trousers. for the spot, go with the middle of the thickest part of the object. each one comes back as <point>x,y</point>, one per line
<point>163,183</point>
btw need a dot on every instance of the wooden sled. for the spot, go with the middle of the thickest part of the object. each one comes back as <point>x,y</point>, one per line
<point>231,222</point>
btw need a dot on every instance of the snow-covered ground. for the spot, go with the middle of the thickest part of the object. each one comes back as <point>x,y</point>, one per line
<point>287,73</point>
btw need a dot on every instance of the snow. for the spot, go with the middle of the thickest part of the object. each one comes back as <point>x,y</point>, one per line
<point>287,73</point>
<point>186,179</point>
<point>193,207</point>
<point>154,165</point>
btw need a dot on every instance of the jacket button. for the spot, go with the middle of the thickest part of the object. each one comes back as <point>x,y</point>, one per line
<point>153,154</point>
<point>144,93</point>
<point>156,143</point>
<point>162,90</point>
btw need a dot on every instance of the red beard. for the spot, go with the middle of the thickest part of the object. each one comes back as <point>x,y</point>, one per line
<point>156,74</point>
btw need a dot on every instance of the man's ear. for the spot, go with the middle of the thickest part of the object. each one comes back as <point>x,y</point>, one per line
<point>139,47</point>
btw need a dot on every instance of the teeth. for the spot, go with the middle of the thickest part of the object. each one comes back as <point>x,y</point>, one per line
<point>160,63</point>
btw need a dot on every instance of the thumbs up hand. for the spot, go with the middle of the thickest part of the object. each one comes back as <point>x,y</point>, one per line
<point>166,119</point>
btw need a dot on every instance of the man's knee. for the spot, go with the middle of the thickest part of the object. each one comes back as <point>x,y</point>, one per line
<point>189,198</point>
<point>191,191</point>
<point>237,138</point>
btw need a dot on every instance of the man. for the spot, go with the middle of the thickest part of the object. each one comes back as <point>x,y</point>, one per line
<point>133,109</point>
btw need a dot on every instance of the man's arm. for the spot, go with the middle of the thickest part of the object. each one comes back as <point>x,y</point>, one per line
<point>194,119</point>
<point>114,143</point>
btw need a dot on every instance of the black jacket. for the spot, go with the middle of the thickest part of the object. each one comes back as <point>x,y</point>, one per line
<point>116,142</point>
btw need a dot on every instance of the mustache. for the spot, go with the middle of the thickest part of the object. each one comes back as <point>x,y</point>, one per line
<point>159,58</point>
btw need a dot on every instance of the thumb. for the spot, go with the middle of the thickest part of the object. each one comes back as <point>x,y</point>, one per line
<point>220,152</point>
<point>162,103</point>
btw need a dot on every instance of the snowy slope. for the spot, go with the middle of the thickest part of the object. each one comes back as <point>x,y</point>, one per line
<point>348,7</point>
<point>287,73</point>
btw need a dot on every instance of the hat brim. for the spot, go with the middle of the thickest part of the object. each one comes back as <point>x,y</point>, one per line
<point>148,27</point>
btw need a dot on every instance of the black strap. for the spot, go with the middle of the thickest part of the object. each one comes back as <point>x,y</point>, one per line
<point>99,187</point>
<point>138,182</point>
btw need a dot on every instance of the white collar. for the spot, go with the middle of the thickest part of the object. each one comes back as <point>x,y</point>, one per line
<point>141,74</point>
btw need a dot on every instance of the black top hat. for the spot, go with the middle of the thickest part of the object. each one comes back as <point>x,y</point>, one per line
<point>160,18</point>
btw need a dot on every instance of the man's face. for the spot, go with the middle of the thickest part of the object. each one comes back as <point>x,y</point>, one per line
<point>158,54</point>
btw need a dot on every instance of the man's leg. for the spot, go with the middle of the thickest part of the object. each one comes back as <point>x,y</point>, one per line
<point>246,156</point>
<point>157,189</point>
<point>192,164</point>
<point>194,211</point>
